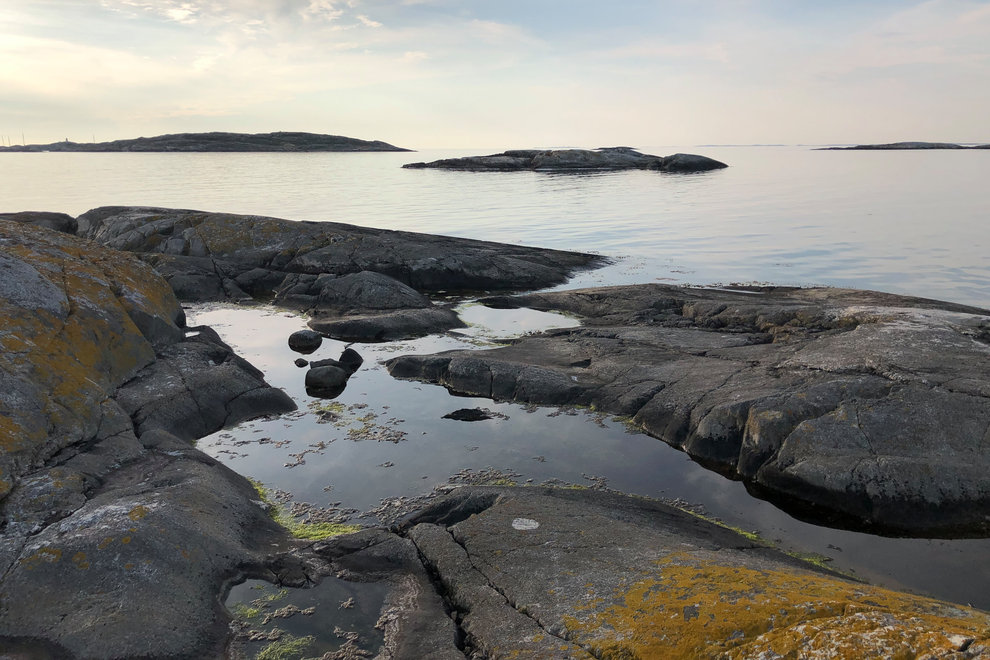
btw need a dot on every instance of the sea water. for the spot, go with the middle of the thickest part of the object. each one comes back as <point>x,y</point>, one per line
<point>904,222</point>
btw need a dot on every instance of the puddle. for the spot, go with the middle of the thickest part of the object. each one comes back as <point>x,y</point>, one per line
<point>278,622</point>
<point>384,439</point>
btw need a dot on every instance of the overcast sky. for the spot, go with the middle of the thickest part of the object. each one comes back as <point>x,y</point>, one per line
<point>499,73</point>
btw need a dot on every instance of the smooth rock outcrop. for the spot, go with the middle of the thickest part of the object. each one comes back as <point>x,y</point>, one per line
<point>855,408</point>
<point>544,573</point>
<point>218,256</point>
<point>116,535</point>
<point>573,160</point>
<point>220,141</point>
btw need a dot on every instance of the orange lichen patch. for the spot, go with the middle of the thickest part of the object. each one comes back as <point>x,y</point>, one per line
<point>125,540</point>
<point>128,566</point>
<point>79,559</point>
<point>45,555</point>
<point>698,608</point>
<point>105,543</point>
<point>138,512</point>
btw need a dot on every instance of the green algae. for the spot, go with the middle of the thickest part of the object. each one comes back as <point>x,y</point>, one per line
<point>286,648</point>
<point>300,529</point>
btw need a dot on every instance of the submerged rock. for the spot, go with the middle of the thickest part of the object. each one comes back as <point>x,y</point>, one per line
<point>389,326</point>
<point>857,408</point>
<point>569,160</point>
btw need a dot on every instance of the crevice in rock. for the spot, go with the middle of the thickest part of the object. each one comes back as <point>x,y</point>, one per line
<point>455,613</point>
<point>510,602</point>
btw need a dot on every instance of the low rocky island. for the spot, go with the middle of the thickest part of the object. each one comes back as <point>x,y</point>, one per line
<point>118,538</point>
<point>897,146</point>
<point>574,160</point>
<point>218,141</point>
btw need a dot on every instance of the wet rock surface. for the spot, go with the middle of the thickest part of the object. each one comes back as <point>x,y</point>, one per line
<point>857,408</point>
<point>116,533</point>
<point>305,341</point>
<point>569,160</point>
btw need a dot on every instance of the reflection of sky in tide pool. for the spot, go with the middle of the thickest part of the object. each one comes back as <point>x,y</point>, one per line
<point>387,438</point>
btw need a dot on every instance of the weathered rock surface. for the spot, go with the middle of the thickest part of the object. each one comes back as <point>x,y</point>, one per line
<point>852,407</point>
<point>605,158</point>
<point>57,221</point>
<point>219,141</point>
<point>895,146</point>
<point>115,534</point>
<point>535,572</point>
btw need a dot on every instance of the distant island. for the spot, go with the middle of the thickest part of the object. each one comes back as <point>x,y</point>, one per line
<point>574,160</point>
<point>219,141</point>
<point>893,146</point>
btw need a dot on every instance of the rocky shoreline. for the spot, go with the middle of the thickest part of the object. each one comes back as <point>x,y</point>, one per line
<point>118,537</point>
<point>217,141</point>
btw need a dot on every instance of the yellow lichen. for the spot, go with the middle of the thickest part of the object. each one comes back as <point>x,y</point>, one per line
<point>698,608</point>
<point>137,513</point>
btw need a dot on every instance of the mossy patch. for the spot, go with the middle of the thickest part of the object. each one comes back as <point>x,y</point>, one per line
<point>300,529</point>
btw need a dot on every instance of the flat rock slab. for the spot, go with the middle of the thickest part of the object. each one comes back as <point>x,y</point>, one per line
<point>570,160</point>
<point>852,408</point>
<point>535,572</point>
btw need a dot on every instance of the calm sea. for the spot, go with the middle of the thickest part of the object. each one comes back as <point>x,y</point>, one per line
<point>906,222</point>
<point>913,222</point>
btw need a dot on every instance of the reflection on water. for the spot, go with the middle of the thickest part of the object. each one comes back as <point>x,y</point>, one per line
<point>333,615</point>
<point>385,438</point>
<point>904,222</point>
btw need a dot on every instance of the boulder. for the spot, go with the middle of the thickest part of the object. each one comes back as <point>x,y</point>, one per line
<point>305,341</point>
<point>859,408</point>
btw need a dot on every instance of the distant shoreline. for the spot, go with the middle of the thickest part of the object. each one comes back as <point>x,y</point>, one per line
<point>285,142</point>
<point>904,146</point>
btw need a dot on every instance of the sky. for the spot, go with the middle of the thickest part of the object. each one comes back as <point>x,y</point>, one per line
<point>499,73</point>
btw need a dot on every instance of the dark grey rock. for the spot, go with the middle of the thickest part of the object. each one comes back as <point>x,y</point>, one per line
<point>351,359</point>
<point>301,362</point>
<point>470,415</point>
<point>575,160</point>
<point>305,341</point>
<point>394,326</point>
<point>217,256</point>
<point>218,141</point>
<point>116,534</point>
<point>57,221</point>
<point>868,409</point>
<point>326,381</point>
